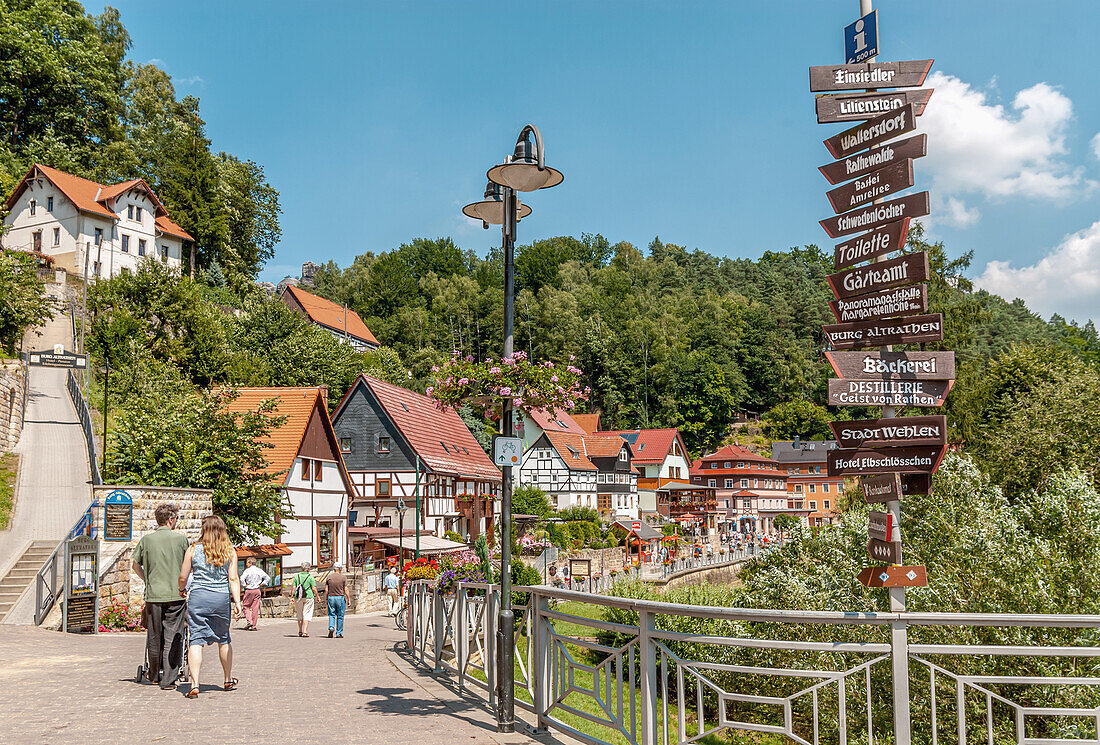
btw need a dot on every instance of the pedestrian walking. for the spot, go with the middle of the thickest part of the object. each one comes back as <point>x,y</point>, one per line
<point>253,580</point>
<point>211,565</point>
<point>336,590</point>
<point>157,559</point>
<point>389,586</point>
<point>303,586</point>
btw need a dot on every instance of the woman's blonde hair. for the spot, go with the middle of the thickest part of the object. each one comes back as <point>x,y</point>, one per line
<point>215,541</point>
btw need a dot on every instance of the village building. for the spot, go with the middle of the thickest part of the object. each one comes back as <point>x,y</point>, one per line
<point>692,506</point>
<point>399,446</point>
<point>84,226</point>
<point>531,425</point>
<point>751,489</point>
<point>342,323</point>
<point>808,479</point>
<point>305,457</point>
<point>577,469</point>
<point>660,457</point>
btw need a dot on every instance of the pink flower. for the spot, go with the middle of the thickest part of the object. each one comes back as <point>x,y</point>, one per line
<point>553,378</point>
<point>549,364</point>
<point>494,371</point>
<point>463,381</point>
<point>508,361</point>
<point>506,391</point>
<point>430,390</point>
<point>435,368</point>
<point>572,358</point>
<point>573,370</point>
<point>517,402</point>
<point>469,358</point>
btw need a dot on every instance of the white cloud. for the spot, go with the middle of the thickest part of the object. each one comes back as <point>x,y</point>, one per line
<point>1065,281</point>
<point>1095,144</point>
<point>193,80</point>
<point>978,147</point>
<point>158,62</point>
<point>954,212</point>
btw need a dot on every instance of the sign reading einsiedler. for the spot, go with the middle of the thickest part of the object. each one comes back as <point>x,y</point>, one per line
<point>908,74</point>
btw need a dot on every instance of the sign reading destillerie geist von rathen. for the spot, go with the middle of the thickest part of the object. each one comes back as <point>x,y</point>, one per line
<point>884,182</point>
<point>882,240</point>
<point>900,301</point>
<point>904,270</point>
<point>908,74</point>
<point>865,218</point>
<point>908,330</point>
<point>866,461</point>
<point>849,168</point>
<point>852,107</point>
<point>872,132</point>
<point>893,365</point>
<point>892,432</point>
<point>888,392</point>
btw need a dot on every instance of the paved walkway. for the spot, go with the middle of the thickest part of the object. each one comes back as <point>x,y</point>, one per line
<point>53,486</point>
<point>67,688</point>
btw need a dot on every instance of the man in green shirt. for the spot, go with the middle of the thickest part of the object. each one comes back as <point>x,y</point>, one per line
<point>157,560</point>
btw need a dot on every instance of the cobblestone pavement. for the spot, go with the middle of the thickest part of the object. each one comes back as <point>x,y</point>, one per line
<point>63,688</point>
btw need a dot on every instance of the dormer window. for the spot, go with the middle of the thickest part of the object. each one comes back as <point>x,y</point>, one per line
<point>622,455</point>
<point>383,444</point>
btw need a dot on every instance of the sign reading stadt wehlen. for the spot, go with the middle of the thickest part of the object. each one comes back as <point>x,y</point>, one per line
<point>900,301</point>
<point>908,330</point>
<point>866,218</point>
<point>888,392</point>
<point>851,107</point>
<point>892,432</point>
<point>873,132</point>
<point>882,240</point>
<point>904,270</point>
<point>864,461</point>
<point>908,74</point>
<point>893,365</point>
<point>849,168</point>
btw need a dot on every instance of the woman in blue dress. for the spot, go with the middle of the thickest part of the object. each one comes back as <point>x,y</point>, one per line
<point>212,566</point>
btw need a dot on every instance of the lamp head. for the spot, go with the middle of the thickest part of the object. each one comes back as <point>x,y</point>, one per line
<point>526,170</point>
<point>401,506</point>
<point>491,209</point>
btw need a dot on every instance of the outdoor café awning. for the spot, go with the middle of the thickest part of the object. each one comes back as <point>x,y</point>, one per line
<point>263,552</point>
<point>429,544</point>
<point>645,532</point>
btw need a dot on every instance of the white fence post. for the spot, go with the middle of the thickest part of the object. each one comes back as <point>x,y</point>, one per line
<point>541,660</point>
<point>647,648</point>
<point>439,612</point>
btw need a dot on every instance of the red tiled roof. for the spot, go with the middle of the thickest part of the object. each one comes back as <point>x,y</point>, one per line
<point>570,446</point>
<point>331,315</point>
<point>296,404</point>
<point>559,421</point>
<point>650,446</point>
<point>92,196</point>
<point>735,452</point>
<point>440,438</point>
<point>588,422</point>
<point>604,445</point>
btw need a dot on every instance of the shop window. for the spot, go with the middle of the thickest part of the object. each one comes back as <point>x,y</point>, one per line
<point>326,544</point>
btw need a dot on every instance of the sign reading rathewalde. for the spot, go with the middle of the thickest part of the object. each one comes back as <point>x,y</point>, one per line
<point>908,330</point>
<point>849,168</point>
<point>892,432</point>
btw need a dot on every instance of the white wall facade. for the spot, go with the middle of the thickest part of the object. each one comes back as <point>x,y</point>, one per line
<point>313,501</point>
<point>544,468</point>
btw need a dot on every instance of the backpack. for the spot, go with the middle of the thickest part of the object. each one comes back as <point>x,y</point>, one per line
<point>299,586</point>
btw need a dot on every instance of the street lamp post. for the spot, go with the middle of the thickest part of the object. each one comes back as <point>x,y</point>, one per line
<point>524,170</point>
<point>402,508</point>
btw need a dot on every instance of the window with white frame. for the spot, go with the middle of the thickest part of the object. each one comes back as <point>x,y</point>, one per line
<point>729,483</point>
<point>57,236</point>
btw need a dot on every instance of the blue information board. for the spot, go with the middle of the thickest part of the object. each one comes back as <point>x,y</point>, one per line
<point>118,516</point>
<point>861,39</point>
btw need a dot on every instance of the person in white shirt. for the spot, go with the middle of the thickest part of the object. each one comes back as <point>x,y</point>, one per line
<point>253,580</point>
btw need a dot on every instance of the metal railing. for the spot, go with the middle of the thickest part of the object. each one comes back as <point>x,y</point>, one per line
<point>48,584</point>
<point>659,673</point>
<point>85,416</point>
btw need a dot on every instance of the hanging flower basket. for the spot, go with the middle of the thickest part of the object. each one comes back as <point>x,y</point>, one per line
<point>462,381</point>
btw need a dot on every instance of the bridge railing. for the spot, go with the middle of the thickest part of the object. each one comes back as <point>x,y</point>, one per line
<point>84,414</point>
<point>635,671</point>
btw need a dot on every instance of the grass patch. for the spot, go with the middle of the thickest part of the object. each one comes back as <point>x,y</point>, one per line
<point>9,467</point>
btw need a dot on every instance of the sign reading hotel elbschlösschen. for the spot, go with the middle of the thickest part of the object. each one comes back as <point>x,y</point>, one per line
<point>870,461</point>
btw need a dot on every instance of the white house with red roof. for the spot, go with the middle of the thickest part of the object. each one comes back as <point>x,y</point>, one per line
<point>586,470</point>
<point>751,489</point>
<point>342,323</point>
<point>82,225</point>
<point>660,457</point>
<point>398,445</point>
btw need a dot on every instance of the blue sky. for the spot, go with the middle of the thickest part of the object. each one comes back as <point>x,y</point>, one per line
<point>688,120</point>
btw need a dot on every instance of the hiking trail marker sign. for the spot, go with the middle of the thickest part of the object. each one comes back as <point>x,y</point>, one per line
<point>894,576</point>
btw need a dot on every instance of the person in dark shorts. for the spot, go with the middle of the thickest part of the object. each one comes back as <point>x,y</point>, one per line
<point>157,559</point>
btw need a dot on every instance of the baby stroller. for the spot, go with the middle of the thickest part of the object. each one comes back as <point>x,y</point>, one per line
<point>143,668</point>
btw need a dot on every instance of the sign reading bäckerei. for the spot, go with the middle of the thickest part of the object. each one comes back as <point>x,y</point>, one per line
<point>908,74</point>
<point>904,270</point>
<point>843,392</point>
<point>908,330</point>
<point>882,240</point>
<point>893,432</point>
<point>852,107</point>
<point>849,168</point>
<point>900,301</point>
<point>860,461</point>
<point>865,218</point>
<point>882,183</point>
<point>873,132</point>
<point>893,365</point>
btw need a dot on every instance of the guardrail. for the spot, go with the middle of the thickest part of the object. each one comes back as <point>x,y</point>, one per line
<point>663,673</point>
<point>84,414</point>
<point>48,583</point>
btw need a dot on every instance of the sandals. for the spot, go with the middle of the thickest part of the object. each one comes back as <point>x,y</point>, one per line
<point>193,693</point>
<point>231,684</point>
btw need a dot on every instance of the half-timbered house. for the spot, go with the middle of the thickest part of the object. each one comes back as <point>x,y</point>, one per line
<point>583,470</point>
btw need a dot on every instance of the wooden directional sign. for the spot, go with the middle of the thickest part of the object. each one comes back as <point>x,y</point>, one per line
<point>893,365</point>
<point>881,489</point>
<point>916,483</point>
<point>888,551</point>
<point>853,107</point>
<point>882,240</point>
<point>900,301</point>
<point>893,432</point>
<point>909,74</point>
<point>57,359</point>
<point>866,461</point>
<point>856,165</point>
<point>908,330</point>
<point>884,182</point>
<point>894,576</point>
<point>880,527</point>
<point>888,392</point>
<point>904,270</point>
<point>872,216</point>
<point>873,132</point>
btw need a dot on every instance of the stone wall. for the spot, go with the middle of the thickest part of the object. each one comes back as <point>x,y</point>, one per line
<point>603,559</point>
<point>715,574</point>
<point>12,379</point>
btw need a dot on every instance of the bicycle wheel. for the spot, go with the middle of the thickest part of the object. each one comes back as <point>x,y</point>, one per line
<point>399,618</point>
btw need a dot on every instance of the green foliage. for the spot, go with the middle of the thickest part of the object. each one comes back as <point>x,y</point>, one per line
<point>190,440</point>
<point>450,535</point>
<point>579,513</point>
<point>786,522</point>
<point>23,300</point>
<point>531,500</point>
<point>799,418</point>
